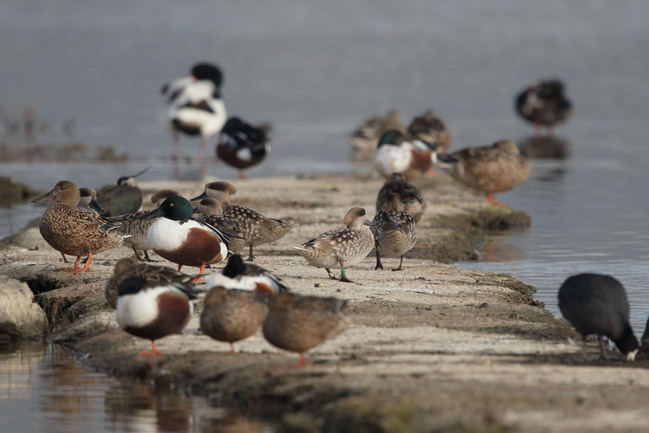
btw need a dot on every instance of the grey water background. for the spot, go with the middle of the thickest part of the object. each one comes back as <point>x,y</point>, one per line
<point>316,69</point>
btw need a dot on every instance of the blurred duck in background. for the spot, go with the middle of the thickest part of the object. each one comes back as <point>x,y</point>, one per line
<point>398,153</point>
<point>365,138</point>
<point>242,145</point>
<point>431,129</point>
<point>195,107</point>
<point>123,198</point>
<point>544,104</point>
<point>490,169</point>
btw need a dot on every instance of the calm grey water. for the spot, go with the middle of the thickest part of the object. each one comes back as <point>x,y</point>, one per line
<point>45,389</point>
<point>316,69</point>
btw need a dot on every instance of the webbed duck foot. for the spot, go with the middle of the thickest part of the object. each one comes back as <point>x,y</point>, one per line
<point>153,352</point>
<point>301,363</point>
<point>343,278</point>
<point>492,200</point>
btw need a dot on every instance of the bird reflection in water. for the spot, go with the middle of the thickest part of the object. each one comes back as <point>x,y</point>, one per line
<point>544,147</point>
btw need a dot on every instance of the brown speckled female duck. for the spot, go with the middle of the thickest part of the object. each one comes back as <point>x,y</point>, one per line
<point>130,267</point>
<point>409,194</point>
<point>432,129</point>
<point>496,168</point>
<point>394,232</point>
<point>210,211</point>
<point>232,310</point>
<point>298,323</point>
<point>340,248</point>
<point>256,229</point>
<point>75,231</point>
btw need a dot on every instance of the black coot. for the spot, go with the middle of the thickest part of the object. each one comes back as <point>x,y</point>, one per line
<point>597,304</point>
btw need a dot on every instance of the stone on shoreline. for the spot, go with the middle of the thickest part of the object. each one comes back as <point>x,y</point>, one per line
<point>20,316</point>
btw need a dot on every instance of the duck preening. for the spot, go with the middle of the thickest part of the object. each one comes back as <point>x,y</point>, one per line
<point>544,104</point>
<point>195,107</point>
<point>597,304</point>
<point>242,145</point>
<point>394,232</point>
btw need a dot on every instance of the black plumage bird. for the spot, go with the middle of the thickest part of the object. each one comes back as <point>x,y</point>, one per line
<point>242,145</point>
<point>597,304</point>
<point>544,104</point>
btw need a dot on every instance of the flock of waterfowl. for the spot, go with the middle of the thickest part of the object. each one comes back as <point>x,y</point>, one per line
<point>153,301</point>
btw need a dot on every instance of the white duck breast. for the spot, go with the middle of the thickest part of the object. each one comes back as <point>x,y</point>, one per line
<point>393,159</point>
<point>141,308</point>
<point>168,235</point>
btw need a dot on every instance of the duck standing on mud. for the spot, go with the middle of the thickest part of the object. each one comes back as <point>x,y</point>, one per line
<point>411,197</point>
<point>153,309</point>
<point>340,248</point>
<point>74,231</point>
<point>394,232</point>
<point>299,323</point>
<point>256,229</point>
<point>490,169</point>
<point>175,236</point>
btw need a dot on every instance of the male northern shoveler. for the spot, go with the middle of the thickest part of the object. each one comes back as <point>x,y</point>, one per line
<point>431,129</point>
<point>210,211</point>
<point>544,104</point>
<point>175,236</point>
<point>129,267</point>
<point>123,198</point>
<point>597,304</point>
<point>394,232</point>
<point>75,231</point>
<point>398,154</point>
<point>256,229</point>
<point>342,247</point>
<point>365,138</point>
<point>136,227</point>
<point>242,145</point>
<point>153,309</point>
<point>195,105</point>
<point>298,323</point>
<point>232,310</point>
<point>251,275</point>
<point>409,194</point>
<point>496,168</point>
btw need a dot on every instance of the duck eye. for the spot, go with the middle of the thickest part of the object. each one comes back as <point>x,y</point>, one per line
<point>171,205</point>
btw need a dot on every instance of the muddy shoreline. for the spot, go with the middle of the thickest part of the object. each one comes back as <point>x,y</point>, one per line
<point>431,348</point>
